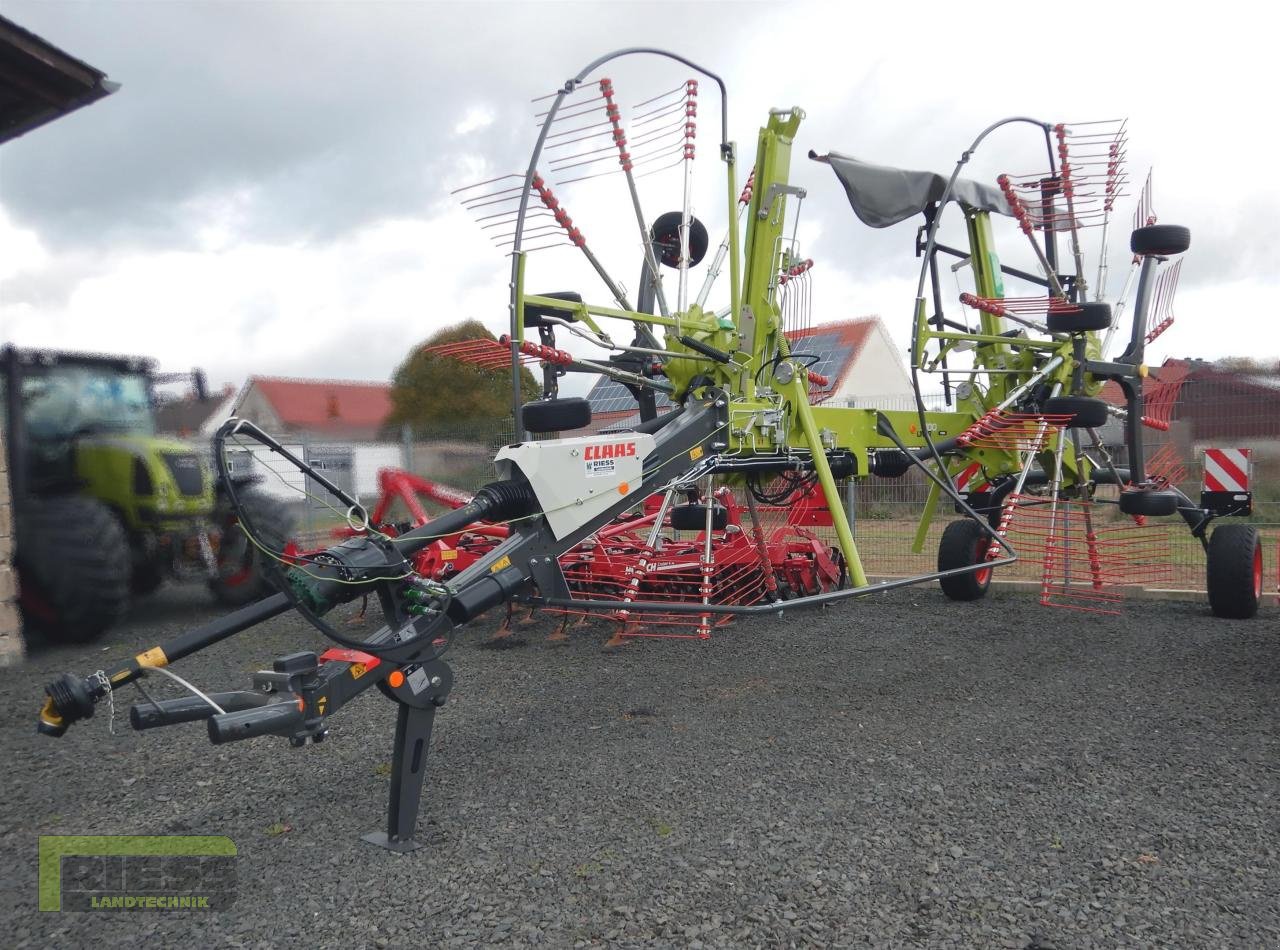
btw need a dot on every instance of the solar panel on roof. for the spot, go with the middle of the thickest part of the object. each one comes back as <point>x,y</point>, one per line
<point>609,395</point>
<point>833,354</point>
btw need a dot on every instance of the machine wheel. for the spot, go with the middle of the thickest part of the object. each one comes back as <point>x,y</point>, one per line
<point>241,578</point>
<point>1235,571</point>
<point>1153,503</point>
<point>693,517</point>
<point>73,565</point>
<point>556,415</point>
<point>1085,411</point>
<point>1160,239</point>
<point>964,543</point>
<point>1090,316</point>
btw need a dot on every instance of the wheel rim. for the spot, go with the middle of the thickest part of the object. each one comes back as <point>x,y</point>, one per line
<point>983,576</point>
<point>1257,570</point>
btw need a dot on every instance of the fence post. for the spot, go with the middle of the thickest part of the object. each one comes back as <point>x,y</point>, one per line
<point>850,504</point>
<point>306,487</point>
<point>406,447</point>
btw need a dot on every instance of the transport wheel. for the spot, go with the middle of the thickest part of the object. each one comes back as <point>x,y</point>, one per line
<point>694,517</point>
<point>556,415</point>
<point>964,543</point>
<point>1085,411</point>
<point>73,565</point>
<point>1160,239</point>
<point>1155,504</point>
<point>1090,316</point>
<point>1235,571</point>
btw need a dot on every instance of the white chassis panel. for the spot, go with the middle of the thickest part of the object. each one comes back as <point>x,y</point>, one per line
<point>578,478</point>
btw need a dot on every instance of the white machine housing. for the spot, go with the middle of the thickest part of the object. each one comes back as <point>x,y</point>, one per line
<point>578,478</point>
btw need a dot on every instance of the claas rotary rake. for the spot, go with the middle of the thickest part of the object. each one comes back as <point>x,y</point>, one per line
<point>575,522</point>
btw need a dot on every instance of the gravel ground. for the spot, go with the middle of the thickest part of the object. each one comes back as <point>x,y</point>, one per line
<point>899,772</point>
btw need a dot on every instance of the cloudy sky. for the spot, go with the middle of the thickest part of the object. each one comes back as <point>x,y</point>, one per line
<point>269,191</point>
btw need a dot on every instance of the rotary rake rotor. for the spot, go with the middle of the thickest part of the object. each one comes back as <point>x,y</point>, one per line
<point>1034,368</point>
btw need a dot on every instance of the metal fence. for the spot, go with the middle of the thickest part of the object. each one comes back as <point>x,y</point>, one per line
<point>1211,413</point>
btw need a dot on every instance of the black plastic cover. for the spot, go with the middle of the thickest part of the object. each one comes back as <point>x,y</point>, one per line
<point>882,196</point>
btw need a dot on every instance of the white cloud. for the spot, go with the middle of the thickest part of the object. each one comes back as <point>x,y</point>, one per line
<point>475,119</point>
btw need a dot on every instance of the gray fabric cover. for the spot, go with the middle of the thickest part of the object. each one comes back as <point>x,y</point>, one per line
<point>882,196</point>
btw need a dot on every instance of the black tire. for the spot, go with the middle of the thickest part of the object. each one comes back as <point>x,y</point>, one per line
<point>1152,503</point>
<point>1090,316</point>
<point>242,577</point>
<point>556,415</point>
<point>964,543</point>
<point>1234,571</point>
<point>147,577</point>
<point>73,564</point>
<point>694,517</point>
<point>665,235</point>
<point>1162,240</point>
<point>1085,411</point>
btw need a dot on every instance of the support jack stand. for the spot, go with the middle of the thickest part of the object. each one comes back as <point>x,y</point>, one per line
<point>420,691</point>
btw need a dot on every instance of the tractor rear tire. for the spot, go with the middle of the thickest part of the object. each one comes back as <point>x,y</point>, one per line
<point>242,576</point>
<point>73,564</point>
<point>964,543</point>
<point>1234,571</point>
<point>1085,411</point>
<point>147,578</point>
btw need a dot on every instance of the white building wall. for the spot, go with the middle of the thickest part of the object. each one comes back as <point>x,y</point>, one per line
<point>370,459</point>
<point>878,370</point>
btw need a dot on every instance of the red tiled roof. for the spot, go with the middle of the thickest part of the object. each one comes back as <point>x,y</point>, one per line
<point>326,404</point>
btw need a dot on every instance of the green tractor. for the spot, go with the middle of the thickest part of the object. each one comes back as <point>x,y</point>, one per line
<point>105,509</point>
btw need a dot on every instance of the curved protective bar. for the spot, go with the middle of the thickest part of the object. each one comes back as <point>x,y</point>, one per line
<point>569,87</point>
<point>930,243</point>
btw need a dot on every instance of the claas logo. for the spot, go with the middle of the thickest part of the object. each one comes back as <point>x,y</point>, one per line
<point>610,450</point>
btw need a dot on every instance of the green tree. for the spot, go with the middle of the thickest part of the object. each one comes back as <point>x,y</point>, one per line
<point>430,391</point>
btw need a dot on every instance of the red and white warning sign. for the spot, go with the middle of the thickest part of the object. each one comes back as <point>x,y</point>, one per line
<point>968,476</point>
<point>1226,470</point>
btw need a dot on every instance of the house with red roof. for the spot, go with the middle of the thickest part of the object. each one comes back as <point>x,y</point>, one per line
<point>329,409</point>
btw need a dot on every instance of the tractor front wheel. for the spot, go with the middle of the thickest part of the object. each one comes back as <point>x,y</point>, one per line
<point>73,567</point>
<point>964,543</point>
<point>1235,571</point>
<point>242,578</point>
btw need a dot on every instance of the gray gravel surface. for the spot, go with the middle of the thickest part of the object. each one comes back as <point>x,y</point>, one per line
<point>898,772</point>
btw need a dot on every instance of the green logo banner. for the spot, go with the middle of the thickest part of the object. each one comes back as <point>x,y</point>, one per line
<point>136,872</point>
